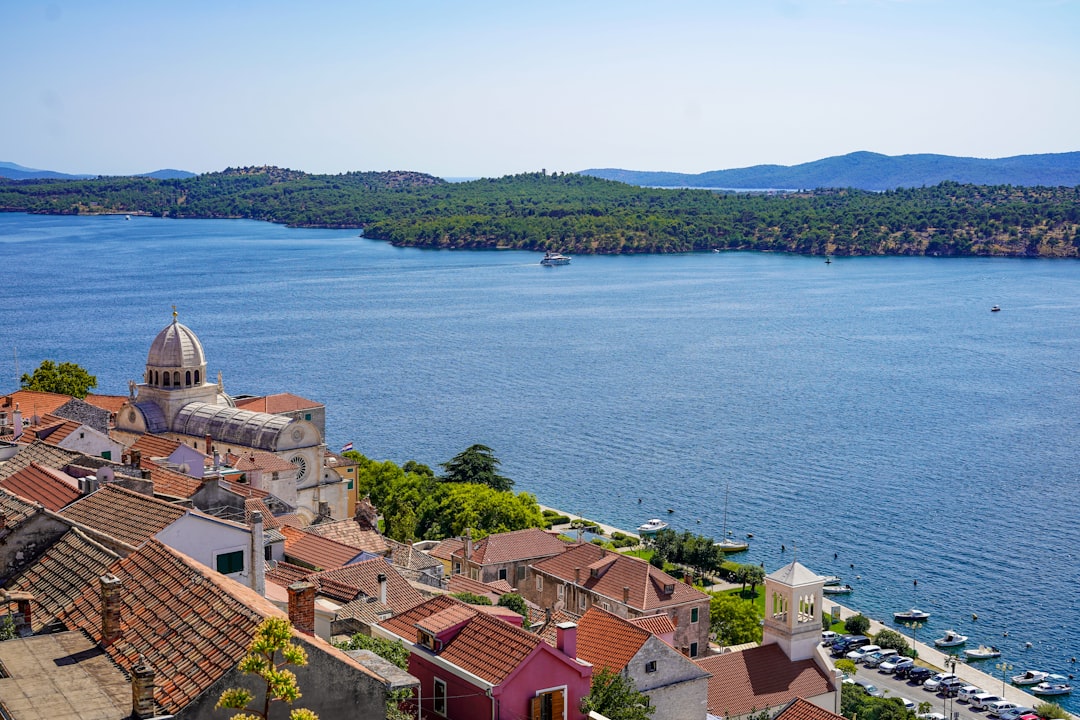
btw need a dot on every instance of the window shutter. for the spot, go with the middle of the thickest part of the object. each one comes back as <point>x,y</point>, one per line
<point>534,708</point>
<point>557,704</point>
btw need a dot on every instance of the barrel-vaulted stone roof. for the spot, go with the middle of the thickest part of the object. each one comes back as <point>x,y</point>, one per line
<point>243,427</point>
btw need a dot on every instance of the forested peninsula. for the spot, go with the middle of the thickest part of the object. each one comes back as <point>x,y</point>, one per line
<point>580,214</point>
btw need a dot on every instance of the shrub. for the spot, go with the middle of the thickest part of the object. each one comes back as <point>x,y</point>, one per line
<point>857,624</point>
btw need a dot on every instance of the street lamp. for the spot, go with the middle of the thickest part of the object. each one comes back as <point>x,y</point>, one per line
<point>950,664</point>
<point>914,635</point>
<point>1004,667</point>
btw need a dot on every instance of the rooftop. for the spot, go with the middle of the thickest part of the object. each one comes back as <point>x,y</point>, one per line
<point>318,552</point>
<point>123,514</point>
<point>349,532</point>
<point>759,678</point>
<point>52,488</point>
<point>514,546</point>
<point>278,403</point>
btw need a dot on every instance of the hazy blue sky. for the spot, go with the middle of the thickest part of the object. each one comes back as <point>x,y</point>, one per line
<point>469,88</point>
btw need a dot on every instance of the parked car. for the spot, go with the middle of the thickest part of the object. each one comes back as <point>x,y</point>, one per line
<point>1015,712</point>
<point>995,709</point>
<point>967,692</point>
<point>828,637</point>
<point>847,643</point>
<point>919,674</point>
<point>930,716</point>
<point>933,683</point>
<point>875,659</point>
<point>907,703</point>
<point>902,671</point>
<point>859,654</point>
<point>871,689</point>
<point>982,700</point>
<point>950,687</point>
<point>894,663</point>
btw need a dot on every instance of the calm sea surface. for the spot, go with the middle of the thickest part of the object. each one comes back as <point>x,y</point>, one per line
<point>873,408</point>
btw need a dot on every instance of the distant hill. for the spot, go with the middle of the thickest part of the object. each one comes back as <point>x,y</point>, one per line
<point>871,171</point>
<point>19,172</point>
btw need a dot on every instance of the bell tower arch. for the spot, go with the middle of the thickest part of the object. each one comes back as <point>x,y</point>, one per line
<point>793,608</point>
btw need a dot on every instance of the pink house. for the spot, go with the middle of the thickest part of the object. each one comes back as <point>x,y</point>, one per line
<point>473,665</point>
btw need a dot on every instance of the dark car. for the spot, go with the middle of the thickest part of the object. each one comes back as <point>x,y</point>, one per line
<point>918,674</point>
<point>950,687</point>
<point>847,643</point>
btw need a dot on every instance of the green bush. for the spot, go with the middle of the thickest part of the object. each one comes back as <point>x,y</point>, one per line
<point>857,624</point>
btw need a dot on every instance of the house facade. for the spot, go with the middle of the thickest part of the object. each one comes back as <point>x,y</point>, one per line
<point>505,556</point>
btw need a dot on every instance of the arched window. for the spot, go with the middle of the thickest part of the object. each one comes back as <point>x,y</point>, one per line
<point>176,378</point>
<point>196,377</point>
<point>166,379</point>
<point>187,378</point>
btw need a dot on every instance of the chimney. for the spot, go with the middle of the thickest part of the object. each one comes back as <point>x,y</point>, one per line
<point>626,595</point>
<point>566,638</point>
<point>302,606</point>
<point>16,420</point>
<point>258,554</point>
<point>24,608</point>
<point>209,446</point>
<point>382,588</point>
<point>111,608</point>
<point>136,458</point>
<point>142,690</point>
<point>577,576</point>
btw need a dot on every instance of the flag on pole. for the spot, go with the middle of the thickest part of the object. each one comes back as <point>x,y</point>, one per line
<point>347,447</point>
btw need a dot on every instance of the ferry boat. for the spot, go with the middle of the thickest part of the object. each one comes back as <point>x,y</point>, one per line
<point>554,258</point>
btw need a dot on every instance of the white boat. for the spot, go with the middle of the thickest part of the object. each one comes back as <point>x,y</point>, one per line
<point>831,579</point>
<point>983,652</point>
<point>837,589</point>
<point>728,544</point>
<point>951,639</point>
<point>1029,677</point>
<point>912,615</point>
<point>554,258</point>
<point>1053,685</point>
<point>652,527</point>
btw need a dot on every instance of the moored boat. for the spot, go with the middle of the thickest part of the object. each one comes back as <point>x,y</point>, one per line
<point>983,652</point>
<point>831,579</point>
<point>732,546</point>
<point>652,527</point>
<point>912,615</point>
<point>554,258</point>
<point>1029,677</point>
<point>951,639</point>
<point>1053,685</point>
<point>837,589</point>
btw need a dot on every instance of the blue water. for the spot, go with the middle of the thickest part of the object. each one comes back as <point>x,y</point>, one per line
<point>873,408</point>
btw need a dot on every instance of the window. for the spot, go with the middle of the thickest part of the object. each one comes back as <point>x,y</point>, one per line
<point>548,705</point>
<point>650,666</point>
<point>176,378</point>
<point>268,554</point>
<point>502,574</point>
<point>439,697</point>
<point>231,562</point>
<point>196,377</point>
<point>520,573</point>
<point>693,615</point>
<point>693,649</point>
<point>561,591</point>
<point>457,568</point>
<point>425,639</point>
<point>187,378</point>
<point>166,379</point>
<point>307,416</point>
<point>107,454</point>
<point>350,485</point>
<point>539,583</point>
<point>581,601</point>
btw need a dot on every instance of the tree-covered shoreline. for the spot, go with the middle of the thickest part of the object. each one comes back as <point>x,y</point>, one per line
<point>586,215</point>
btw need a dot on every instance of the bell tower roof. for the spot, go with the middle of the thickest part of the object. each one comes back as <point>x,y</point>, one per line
<point>176,346</point>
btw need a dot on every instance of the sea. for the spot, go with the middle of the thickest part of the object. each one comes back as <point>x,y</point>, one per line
<point>870,417</point>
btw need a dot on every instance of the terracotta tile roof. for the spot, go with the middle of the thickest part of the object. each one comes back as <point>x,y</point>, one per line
<point>39,452</point>
<point>517,545</point>
<point>345,583</point>
<point>462,583</point>
<point>759,678</point>
<point>659,624</point>
<point>169,482</point>
<point>193,625</point>
<point>112,403</point>
<point>446,548</point>
<point>123,514</point>
<point>155,446</point>
<point>278,403</point>
<point>32,403</point>
<point>251,460</point>
<point>285,574</point>
<point>256,504</point>
<point>244,489</point>
<point>51,430</point>
<point>450,616</point>
<point>406,556</point>
<point>62,573</point>
<point>487,647</point>
<point>362,609</point>
<point>646,583</point>
<point>548,632</point>
<point>348,532</point>
<point>52,488</point>
<point>801,709</point>
<point>318,552</point>
<point>291,520</point>
<point>15,510</point>
<point>606,640</point>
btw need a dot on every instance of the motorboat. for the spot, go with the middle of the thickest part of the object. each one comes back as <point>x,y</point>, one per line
<point>995,309</point>
<point>837,589</point>
<point>652,527</point>
<point>983,652</point>
<point>910,616</point>
<point>554,258</point>
<point>1029,677</point>
<point>1053,685</point>
<point>831,579</point>
<point>951,639</point>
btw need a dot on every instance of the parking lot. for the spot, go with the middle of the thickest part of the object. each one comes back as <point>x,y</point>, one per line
<point>894,687</point>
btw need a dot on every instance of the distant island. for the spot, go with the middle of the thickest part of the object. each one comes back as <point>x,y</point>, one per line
<point>18,172</point>
<point>580,214</point>
<point>870,171</point>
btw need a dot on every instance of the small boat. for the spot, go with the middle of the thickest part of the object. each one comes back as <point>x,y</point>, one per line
<point>127,217</point>
<point>554,258</point>
<point>652,527</point>
<point>837,589</point>
<point>828,260</point>
<point>1029,677</point>
<point>1053,685</point>
<point>982,652</point>
<point>732,546</point>
<point>951,639</point>
<point>912,615</point>
<point>995,309</point>
<point>831,579</point>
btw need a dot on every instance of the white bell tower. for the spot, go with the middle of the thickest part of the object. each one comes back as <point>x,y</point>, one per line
<point>793,607</point>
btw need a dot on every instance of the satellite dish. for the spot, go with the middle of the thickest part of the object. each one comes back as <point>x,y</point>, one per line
<point>184,468</point>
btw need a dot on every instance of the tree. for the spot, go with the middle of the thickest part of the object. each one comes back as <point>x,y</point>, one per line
<point>857,624</point>
<point>615,696</point>
<point>394,651</point>
<point>892,639</point>
<point>1051,711</point>
<point>733,620</point>
<point>846,666</point>
<point>471,598</point>
<point>516,603</point>
<point>476,464</point>
<point>755,575</point>
<point>273,636</point>
<point>66,379</point>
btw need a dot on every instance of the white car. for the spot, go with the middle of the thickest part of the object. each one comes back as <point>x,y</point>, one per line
<point>908,704</point>
<point>859,654</point>
<point>983,700</point>
<point>875,659</point>
<point>894,663</point>
<point>935,682</point>
<point>967,692</point>
<point>930,716</point>
<point>995,709</point>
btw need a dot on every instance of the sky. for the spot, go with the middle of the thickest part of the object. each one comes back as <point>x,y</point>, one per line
<point>467,88</point>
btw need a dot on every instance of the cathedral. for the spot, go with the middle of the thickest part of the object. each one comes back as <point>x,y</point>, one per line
<point>177,400</point>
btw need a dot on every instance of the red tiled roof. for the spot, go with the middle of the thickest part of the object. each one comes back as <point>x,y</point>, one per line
<point>801,709</point>
<point>39,452</point>
<point>659,624</point>
<point>450,616</point>
<point>446,548</point>
<point>462,583</point>
<point>192,624</point>
<point>318,552</point>
<point>285,574</point>
<point>123,514</point>
<point>759,678</point>
<point>51,430</point>
<point>15,509</point>
<point>606,640</point>
<point>251,460</point>
<point>646,583</point>
<point>487,647</point>
<point>278,403</point>
<point>155,446</point>
<point>348,532</point>
<point>244,489</point>
<point>549,632</point>
<point>43,485</point>
<point>62,573</point>
<point>345,583</point>
<point>256,504</point>
<point>32,403</point>
<point>515,546</point>
<point>169,482</point>
<point>112,403</point>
